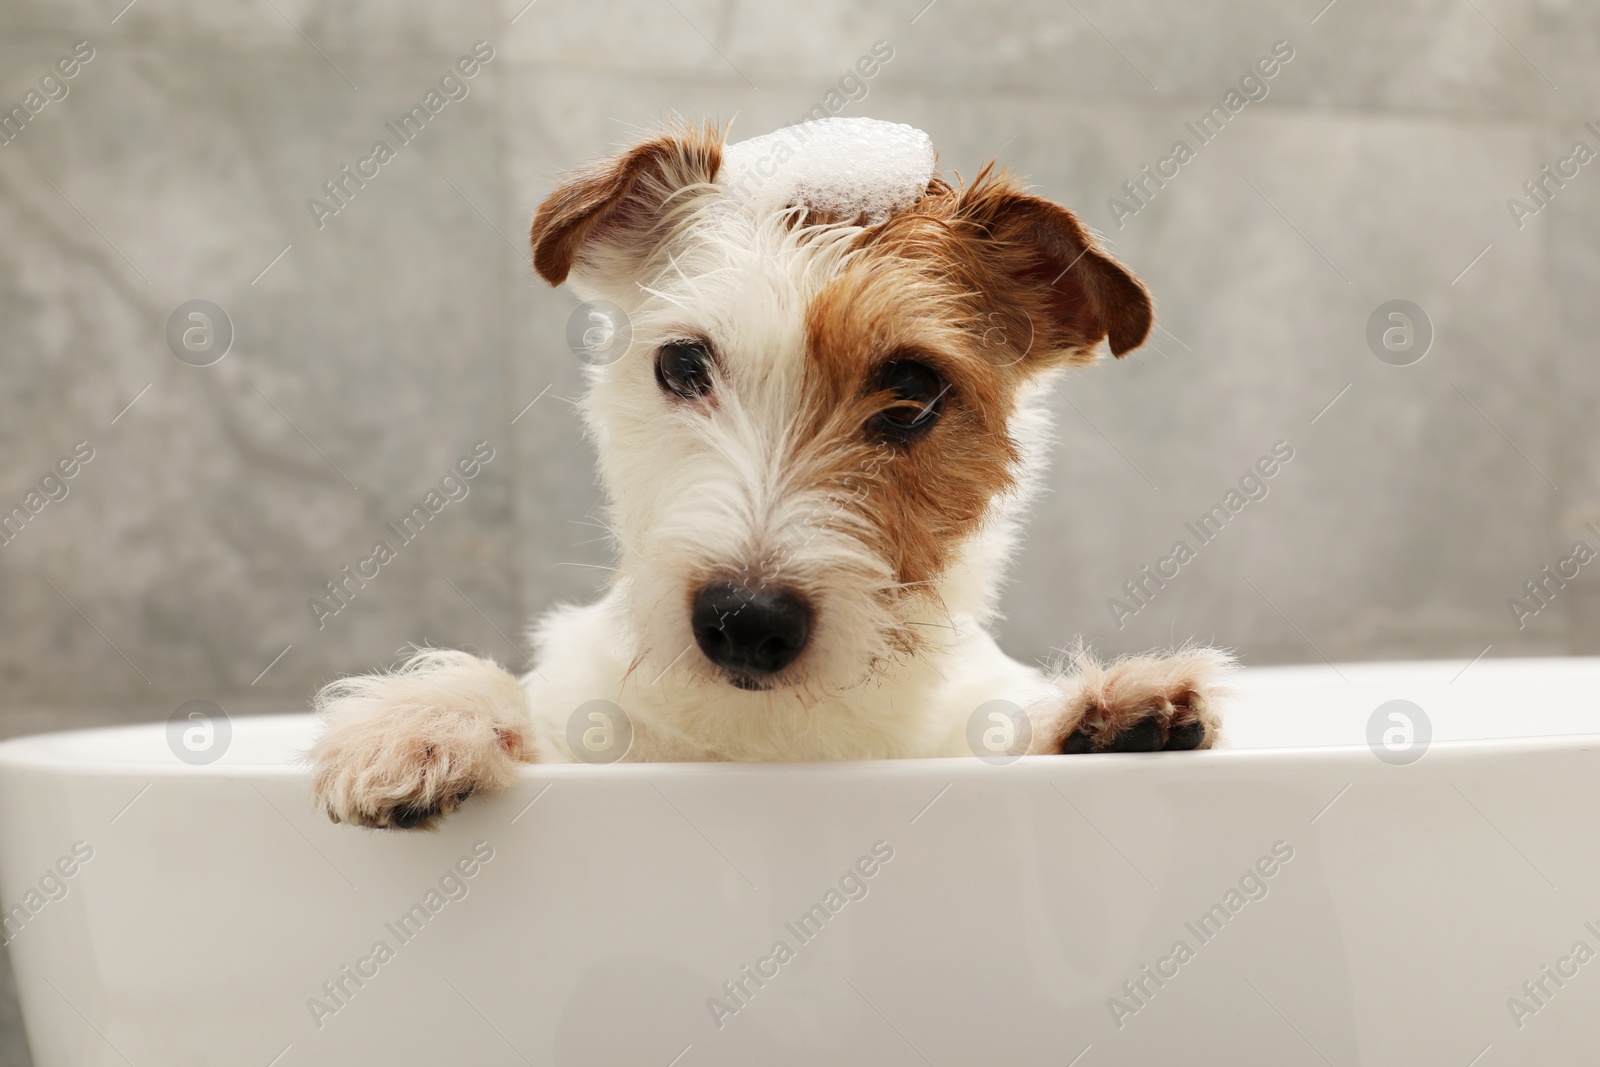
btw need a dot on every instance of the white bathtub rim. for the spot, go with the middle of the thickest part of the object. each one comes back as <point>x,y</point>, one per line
<point>32,754</point>
<point>53,751</point>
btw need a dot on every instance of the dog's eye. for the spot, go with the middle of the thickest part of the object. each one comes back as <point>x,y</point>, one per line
<point>684,368</point>
<point>918,401</point>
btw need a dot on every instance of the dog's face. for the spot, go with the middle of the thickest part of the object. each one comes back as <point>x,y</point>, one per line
<point>811,441</point>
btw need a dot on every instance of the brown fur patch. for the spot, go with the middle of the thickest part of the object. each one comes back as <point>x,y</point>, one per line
<point>1036,260</point>
<point>621,200</point>
<point>986,285</point>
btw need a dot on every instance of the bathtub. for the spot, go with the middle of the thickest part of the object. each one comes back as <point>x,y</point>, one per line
<point>1341,886</point>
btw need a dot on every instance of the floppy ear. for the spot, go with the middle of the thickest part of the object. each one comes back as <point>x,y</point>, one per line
<point>606,218</point>
<point>1046,264</point>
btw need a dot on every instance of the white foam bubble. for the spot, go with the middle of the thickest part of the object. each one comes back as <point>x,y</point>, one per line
<point>847,167</point>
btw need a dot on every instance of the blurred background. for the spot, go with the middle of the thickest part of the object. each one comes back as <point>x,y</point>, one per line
<point>1440,459</point>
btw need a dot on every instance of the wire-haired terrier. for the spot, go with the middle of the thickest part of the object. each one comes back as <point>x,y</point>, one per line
<point>817,445</point>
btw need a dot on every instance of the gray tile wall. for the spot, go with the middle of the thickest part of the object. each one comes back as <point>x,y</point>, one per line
<point>380,347</point>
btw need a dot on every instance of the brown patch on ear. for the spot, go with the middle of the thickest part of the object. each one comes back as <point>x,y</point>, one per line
<point>619,201</point>
<point>1089,296</point>
<point>1040,265</point>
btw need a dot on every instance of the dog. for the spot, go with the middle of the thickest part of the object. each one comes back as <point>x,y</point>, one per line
<point>816,448</point>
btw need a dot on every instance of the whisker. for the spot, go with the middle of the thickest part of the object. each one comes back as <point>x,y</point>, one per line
<point>594,521</point>
<point>637,660</point>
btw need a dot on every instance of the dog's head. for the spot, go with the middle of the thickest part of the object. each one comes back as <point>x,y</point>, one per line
<point>814,441</point>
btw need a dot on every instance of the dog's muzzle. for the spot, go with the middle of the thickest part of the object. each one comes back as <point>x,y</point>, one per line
<point>751,633</point>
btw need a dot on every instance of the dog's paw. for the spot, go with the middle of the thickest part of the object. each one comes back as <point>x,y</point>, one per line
<point>1140,703</point>
<point>403,748</point>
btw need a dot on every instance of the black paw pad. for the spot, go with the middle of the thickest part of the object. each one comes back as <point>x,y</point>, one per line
<point>1077,743</point>
<point>410,816</point>
<point>1186,737</point>
<point>1142,736</point>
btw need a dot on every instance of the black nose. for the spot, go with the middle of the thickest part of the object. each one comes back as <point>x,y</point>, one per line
<point>750,631</point>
